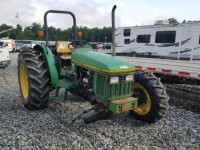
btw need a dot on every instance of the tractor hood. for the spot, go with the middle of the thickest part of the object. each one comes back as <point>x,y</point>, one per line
<point>87,58</point>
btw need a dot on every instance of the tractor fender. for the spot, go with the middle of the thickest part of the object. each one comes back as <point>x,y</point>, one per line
<point>50,62</point>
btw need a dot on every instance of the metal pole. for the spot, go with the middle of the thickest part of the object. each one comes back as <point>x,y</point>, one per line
<point>191,56</point>
<point>180,44</point>
<point>6,30</point>
<point>178,55</point>
<point>113,30</point>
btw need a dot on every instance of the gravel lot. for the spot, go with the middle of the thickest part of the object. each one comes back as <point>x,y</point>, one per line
<point>51,128</point>
<point>185,96</point>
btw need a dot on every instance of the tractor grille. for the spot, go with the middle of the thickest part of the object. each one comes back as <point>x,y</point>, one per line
<point>100,85</point>
<point>120,89</point>
<point>105,90</point>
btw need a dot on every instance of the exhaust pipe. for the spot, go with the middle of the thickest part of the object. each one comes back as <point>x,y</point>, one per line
<point>113,30</point>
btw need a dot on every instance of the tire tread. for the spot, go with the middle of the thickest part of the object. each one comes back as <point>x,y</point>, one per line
<point>38,79</point>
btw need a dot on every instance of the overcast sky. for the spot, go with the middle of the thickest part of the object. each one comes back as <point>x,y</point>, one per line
<point>97,13</point>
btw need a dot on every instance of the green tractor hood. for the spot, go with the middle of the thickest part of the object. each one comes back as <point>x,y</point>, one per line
<point>87,58</point>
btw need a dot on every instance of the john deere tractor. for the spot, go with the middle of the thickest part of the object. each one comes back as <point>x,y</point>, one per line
<point>111,85</point>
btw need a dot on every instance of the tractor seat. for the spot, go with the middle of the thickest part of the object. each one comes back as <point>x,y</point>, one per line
<point>63,49</point>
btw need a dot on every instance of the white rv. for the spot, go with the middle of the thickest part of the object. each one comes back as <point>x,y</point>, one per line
<point>4,55</point>
<point>160,40</point>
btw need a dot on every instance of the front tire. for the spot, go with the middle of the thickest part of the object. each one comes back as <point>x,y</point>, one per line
<point>33,77</point>
<point>152,97</point>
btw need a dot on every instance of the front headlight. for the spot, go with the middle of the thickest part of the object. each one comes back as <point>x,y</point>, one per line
<point>114,80</point>
<point>129,78</point>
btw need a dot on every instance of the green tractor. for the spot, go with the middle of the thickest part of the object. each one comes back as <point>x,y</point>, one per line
<point>111,85</point>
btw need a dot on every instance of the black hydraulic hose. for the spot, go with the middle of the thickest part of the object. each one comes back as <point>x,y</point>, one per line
<point>95,116</point>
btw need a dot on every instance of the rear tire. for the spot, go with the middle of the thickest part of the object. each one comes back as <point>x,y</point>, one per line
<point>34,80</point>
<point>152,94</point>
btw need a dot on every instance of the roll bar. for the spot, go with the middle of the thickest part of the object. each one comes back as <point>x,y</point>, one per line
<point>60,12</point>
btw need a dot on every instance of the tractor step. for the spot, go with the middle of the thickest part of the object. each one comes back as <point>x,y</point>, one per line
<point>65,84</point>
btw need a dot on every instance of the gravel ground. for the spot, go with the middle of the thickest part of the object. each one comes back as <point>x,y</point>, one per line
<point>51,128</point>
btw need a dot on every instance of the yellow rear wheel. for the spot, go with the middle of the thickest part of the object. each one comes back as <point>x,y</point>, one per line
<point>23,81</point>
<point>33,79</point>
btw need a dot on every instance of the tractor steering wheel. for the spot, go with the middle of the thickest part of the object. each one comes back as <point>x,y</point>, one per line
<point>78,43</point>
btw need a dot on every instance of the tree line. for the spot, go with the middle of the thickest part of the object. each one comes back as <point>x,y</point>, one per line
<point>90,35</point>
<point>31,33</point>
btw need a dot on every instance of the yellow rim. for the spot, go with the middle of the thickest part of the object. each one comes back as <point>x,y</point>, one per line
<point>143,108</point>
<point>23,81</point>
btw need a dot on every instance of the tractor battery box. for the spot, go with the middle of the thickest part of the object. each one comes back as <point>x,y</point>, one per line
<point>123,105</point>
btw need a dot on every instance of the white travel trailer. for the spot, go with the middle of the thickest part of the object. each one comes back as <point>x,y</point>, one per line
<point>4,55</point>
<point>160,40</point>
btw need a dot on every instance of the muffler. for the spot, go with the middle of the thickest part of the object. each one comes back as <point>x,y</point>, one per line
<point>113,30</point>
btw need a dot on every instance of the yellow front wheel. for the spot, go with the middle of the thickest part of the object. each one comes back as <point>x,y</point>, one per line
<point>152,97</point>
<point>144,100</point>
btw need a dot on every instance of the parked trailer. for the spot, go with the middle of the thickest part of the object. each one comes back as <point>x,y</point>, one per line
<point>173,71</point>
<point>180,41</point>
<point>161,40</point>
